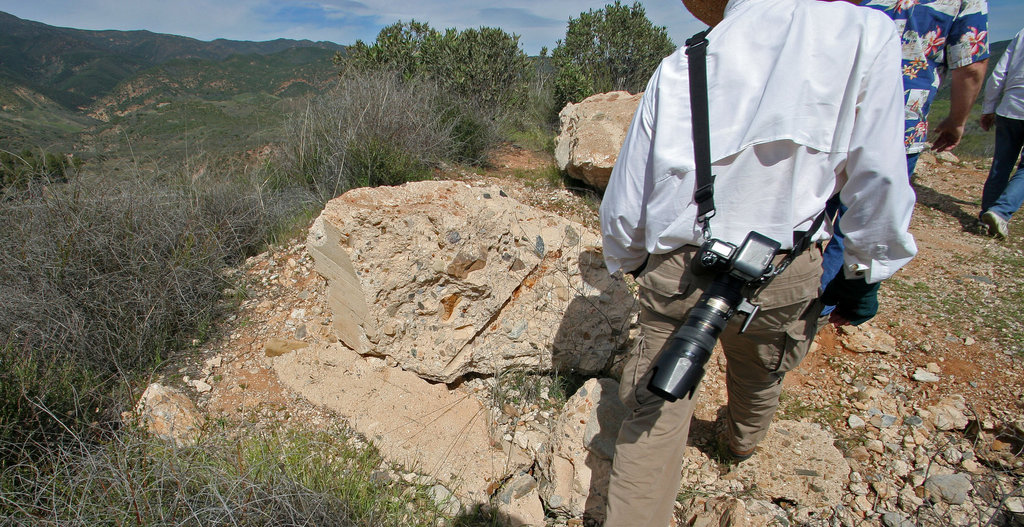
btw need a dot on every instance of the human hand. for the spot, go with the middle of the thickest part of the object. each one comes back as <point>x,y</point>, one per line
<point>986,121</point>
<point>838,320</point>
<point>949,134</point>
<point>856,300</point>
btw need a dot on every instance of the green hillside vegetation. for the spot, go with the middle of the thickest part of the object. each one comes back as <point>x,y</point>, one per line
<point>28,118</point>
<point>75,67</point>
<point>218,107</point>
<point>297,71</point>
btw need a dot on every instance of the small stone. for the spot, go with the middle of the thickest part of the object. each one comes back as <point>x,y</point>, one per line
<point>276,347</point>
<point>863,504</point>
<point>922,375</point>
<point>856,422</point>
<point>900,468</point>
<point>445,500</point>
<point>950,488</point>
<point>895,519</point>
<point>884,489</point>
<point>972,466</point>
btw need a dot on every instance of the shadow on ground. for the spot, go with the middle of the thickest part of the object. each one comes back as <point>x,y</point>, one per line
<point>961,210</point>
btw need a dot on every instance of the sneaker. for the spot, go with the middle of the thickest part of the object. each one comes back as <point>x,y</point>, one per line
<point>996,224</point>
<point>739,457</point>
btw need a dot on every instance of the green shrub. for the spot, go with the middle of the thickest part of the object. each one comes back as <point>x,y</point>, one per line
<point>375,162</point>
<point>485,65</point>
<point>614,48</point>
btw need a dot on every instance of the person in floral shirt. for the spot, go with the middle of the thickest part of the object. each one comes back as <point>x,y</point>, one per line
<point>939,36</point>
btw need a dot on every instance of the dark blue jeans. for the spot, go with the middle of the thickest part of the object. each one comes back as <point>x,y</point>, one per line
<point>832,262</point>
<point>1003,192</point>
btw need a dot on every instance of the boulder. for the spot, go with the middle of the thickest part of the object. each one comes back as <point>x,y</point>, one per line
<point>449,279</point>
<point>440,433</point>
<point>592,132</point>
<point>169,414</point>
<point>576,468</point>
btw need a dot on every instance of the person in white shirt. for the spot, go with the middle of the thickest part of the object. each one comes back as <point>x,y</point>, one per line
<point>1003,106</point>
<point>806,100</point>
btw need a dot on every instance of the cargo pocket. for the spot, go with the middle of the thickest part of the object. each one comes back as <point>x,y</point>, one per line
<point>799,336</point>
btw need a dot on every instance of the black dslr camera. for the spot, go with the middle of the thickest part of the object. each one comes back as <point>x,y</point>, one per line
<point>680,366</point>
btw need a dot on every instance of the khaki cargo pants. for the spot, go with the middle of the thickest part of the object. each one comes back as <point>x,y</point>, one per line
<point>649,450</point>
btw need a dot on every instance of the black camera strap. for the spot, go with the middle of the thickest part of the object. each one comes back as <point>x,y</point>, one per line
<point>704,192</point>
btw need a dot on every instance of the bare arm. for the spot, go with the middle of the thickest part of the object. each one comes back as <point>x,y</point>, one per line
<point>967,82</point>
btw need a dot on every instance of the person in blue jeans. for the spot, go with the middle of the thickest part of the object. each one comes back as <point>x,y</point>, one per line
<point>1003,105</point>
<point>938,36</point>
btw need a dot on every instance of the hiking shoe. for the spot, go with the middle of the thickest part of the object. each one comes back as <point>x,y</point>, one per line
<point>739,457</point>
<point>996,224</point>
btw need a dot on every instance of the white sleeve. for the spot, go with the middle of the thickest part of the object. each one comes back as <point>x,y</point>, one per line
<point>623,208</point>
<point>994,86</point>
<point>877,192</point>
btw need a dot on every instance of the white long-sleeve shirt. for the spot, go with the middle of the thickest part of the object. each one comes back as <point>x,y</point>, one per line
<point>806,98</point>
<point>1004,91</point>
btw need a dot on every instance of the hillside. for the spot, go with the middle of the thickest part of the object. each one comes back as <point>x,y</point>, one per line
<point>76,67</point>
<point>27,113</point>
<point>102,93</point>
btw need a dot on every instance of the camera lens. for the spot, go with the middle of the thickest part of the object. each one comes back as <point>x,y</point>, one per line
<point>680,366</point>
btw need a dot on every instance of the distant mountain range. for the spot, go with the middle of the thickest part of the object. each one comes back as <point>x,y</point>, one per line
<point>75,67</point>
<point>66,88</point>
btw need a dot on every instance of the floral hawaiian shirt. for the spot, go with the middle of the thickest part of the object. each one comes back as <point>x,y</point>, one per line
<point>938,35</point>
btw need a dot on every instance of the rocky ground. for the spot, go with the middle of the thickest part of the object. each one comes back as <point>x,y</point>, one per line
<point>923,404</point>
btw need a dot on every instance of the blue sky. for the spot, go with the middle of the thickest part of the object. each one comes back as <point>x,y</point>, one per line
<point>537,22</point>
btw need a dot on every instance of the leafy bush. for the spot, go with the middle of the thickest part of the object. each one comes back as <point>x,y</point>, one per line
<point>485,65</point>
<point>614,48</point>
<point>378,128</point>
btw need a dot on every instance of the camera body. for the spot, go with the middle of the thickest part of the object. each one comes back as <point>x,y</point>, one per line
<point>751,262</point>
<point>680,366</point>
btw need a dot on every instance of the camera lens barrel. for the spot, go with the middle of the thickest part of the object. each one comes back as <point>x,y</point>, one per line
<point>680,366</point>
